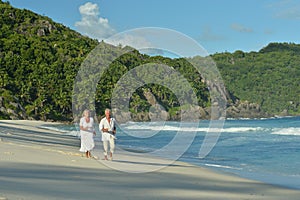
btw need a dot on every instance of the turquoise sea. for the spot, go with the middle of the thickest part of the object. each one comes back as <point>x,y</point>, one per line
<point>267,150</point>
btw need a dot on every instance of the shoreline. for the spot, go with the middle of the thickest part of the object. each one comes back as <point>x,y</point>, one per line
<point>44,164</point>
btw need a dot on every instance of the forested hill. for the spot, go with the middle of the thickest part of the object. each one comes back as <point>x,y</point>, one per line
<point>39,60</point>
<point>270,77</point>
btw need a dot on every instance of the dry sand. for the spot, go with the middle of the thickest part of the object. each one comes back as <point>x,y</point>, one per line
<point>41,164</point>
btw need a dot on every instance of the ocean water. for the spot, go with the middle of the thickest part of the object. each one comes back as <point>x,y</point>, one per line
<point>267,150</point>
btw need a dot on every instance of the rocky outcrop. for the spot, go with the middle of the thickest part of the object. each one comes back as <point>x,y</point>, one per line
<point>156,111</point>
<point>45,28</point>
<point>245,109</point>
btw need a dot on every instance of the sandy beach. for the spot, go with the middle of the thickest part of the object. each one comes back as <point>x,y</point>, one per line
<point>37,163</point>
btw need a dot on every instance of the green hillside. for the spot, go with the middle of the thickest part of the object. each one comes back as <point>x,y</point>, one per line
<point>270,77</point>
<point>39,60</point>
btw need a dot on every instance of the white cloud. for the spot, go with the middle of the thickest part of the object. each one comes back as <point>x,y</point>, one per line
<point>241,28</point>
<point>134,41</point>
<point>92,24</point>
<point>138,42</point>
<point>158,41</point>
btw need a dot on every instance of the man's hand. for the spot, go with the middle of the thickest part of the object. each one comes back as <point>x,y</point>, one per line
<point>105,129</point>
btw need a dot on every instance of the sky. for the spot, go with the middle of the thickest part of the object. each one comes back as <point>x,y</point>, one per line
<point>217,26</point>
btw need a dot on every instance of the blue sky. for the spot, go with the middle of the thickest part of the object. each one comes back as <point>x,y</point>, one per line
<point>216,25</point>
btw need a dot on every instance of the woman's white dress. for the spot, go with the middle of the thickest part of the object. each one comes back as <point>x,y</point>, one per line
<point>87,137</point>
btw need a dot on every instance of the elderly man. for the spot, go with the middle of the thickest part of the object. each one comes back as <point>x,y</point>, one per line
<point>108,130</point>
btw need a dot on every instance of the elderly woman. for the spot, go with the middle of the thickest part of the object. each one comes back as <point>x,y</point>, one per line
<point>87,133</point>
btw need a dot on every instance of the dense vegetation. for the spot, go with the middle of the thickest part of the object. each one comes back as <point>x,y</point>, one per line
<point>270,77</point>
<point>39,61</point>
